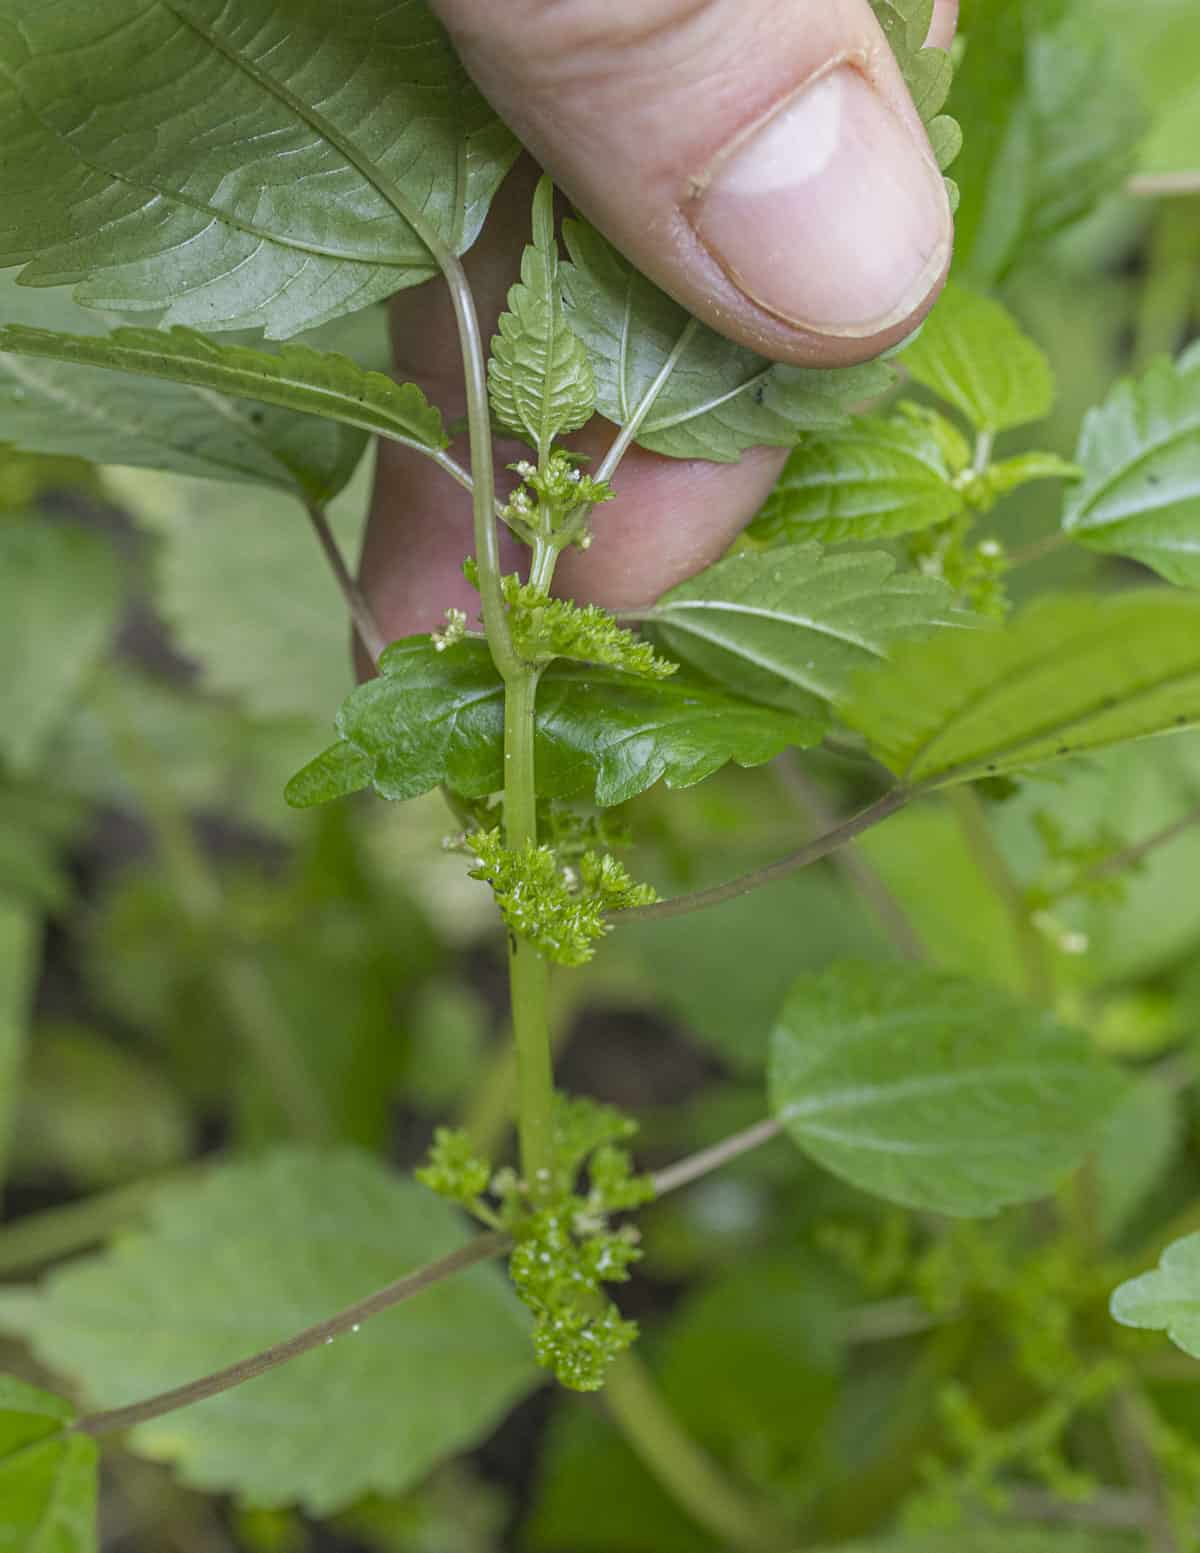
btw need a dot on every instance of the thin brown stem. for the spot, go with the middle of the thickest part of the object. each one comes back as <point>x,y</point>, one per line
<point>1131,856</point>
<point>703,1163</point>
<point>482,1249</point>
<point>365,624</point>
<point>812,852</point>
<point>1050,544</point>
<point>857,868</point>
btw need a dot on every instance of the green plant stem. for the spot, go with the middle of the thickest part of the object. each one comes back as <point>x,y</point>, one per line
<point>1130,1424</point>
<point>812,852</point>
<point>1131,856</point>
<point>993,865</point>
<point>703,1163</point>
<point>529,974</point>
<point>365,624</point>
<point>482,1249</point>
<point>686,1470</point>
<point>854,864</point>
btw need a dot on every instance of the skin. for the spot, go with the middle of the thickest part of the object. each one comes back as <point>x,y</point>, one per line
<point>581,81</point>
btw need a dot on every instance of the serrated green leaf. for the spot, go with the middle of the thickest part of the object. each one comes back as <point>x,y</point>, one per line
<point>257,167</point>
<point>245,591</point>
<point>1069,674</point>
<point>718,399</point>
<point>1140,455</point>
<point>48,1479</point>
<point>928,72</point>
<point>1167,1299</point>
<point>244,1258</point>
<point>60,590</point>
<point>972,354</point>
<point>793,627</point>
<point>438,717</point>
<point>55,398</point>
<point>540,377</point>
<point>877,478</point>
<point>304,383</point>
<point>933,1091</point>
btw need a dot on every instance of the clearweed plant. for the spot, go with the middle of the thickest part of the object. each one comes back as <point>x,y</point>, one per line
<point>943,1159</point>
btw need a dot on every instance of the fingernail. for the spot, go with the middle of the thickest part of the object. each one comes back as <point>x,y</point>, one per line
<point>832,215</point>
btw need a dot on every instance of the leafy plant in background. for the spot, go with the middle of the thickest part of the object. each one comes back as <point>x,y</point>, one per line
<point>868,609</point>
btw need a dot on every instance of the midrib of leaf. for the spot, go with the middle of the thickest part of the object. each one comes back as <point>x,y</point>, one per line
<point>1045,730</point>
<point>694,411</point>
<point>780,617</point>
<point>89,409</point>
<point>634,423</point>
<point>1182,434</point>
<point>860,1096</point>
<point>317,122</point>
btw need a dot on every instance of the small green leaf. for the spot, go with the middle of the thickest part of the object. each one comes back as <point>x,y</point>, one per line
<point>874,479</point>
<point>933,1091</point>
<point>48,1479</point>
<point>718,399</point>
<point>1010,474</point>
<point>972,354</point>
<point>259,168</point>
<point>438,717</point>
<point>1068,675</point>
<point>60,590</point>
<point>540,377</point>
<point>793,627</point>
<point>1140,453</point>
<point>251,1254</point>
<point>1167,1299</point>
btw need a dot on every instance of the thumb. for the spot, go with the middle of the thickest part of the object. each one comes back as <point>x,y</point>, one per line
<point>760,159</point>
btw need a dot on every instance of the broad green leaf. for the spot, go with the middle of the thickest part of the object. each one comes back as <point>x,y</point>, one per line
<point>972,354</point>
<point>19,946</point>
<point>793,626</point>
<point>245,590</point>
<point>934,1091</point>
<point>1054,123</point>
<point>60,590</point>
<point>1067,675</point>
<point>716,399</point>
<point>874,479</point>
<point>540,378</point>
<point>48,1479</point>
<point>1167,1299</point>
<point>438,717</point>
<point>259,167</point>
<point>1140,454</point>
<point>55,397</point>
<point>251,1254</point>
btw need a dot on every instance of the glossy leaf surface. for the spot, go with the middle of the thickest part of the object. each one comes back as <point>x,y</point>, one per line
<point>257,165</point>
<point>438,717</point>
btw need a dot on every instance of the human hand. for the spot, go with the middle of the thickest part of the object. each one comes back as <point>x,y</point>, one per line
<point>762,161</point>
